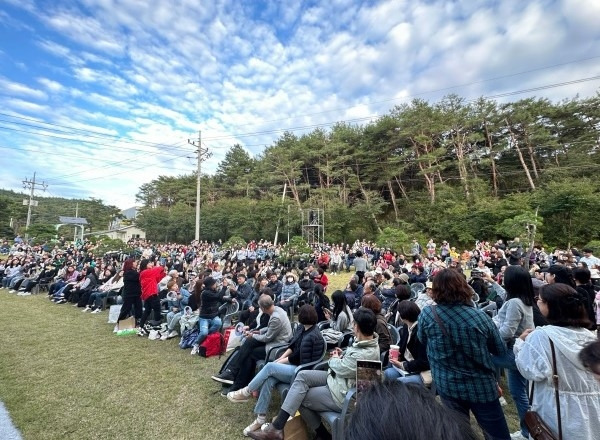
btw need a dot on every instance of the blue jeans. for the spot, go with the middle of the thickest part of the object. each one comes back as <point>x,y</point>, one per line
<point>173,319</point>
<point>265,381</point>
<point>489,415</point>
<point>207,326</point>
<point>391,374</point>
<point>517,386</point>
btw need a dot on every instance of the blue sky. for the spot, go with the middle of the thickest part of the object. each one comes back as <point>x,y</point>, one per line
<point>100,96</point>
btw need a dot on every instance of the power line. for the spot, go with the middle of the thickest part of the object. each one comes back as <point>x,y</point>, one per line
<point>94,134</point>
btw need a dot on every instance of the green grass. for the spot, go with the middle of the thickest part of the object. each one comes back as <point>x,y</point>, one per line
<point>65,375</point>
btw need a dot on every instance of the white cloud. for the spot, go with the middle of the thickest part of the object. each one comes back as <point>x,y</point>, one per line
<point>157,71</point>
<point>11,88</point>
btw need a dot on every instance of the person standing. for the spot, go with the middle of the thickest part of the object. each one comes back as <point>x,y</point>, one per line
<point>561,342</point>
<point>132,291</point>
<point>150,276</point>
<point>460,340</point>
<point>514,317</point>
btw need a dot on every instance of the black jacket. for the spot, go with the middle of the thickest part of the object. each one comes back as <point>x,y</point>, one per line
<point>418,351</point>
<point>211,301</point>
<point>275,287</point>
<point>131,284</point>
<point>307,346</point>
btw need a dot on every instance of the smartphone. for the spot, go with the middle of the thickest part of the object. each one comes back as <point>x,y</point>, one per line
<point>367,374</point>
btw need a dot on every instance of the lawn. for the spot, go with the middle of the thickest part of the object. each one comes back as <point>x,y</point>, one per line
<point>65,375</point>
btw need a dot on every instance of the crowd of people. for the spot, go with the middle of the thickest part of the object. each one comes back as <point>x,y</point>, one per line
<point>433,315</point>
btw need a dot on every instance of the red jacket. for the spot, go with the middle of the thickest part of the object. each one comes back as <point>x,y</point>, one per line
<point>149,279</point>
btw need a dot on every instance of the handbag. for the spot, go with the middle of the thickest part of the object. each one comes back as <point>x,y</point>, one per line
<point>538,429</point>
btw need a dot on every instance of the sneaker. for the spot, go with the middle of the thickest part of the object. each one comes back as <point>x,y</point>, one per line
<point>254,426</point>
<point>153,335</point>
<point>239,396</point>
<point>517,436</point>
<point>87,309</point>
<point>116,329</point>
<point>24,294</point>
<point>224,391</point>
<point>503,401</point>
<point>195,350</point>
<point>96,311</point>
<point>12,291</point>
<point>61,301</point>
<point>141,332</point>
<point>225,377</point>
<point>163,336</point>
<point>172,334</point>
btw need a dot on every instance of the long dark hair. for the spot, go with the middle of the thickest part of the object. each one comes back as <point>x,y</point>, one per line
<point>128,264</point>
<point>517,282</point>
<point>339,304</point>
<point>566,306</point>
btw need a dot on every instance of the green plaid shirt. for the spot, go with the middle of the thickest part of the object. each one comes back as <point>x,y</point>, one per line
<point>462,369</point>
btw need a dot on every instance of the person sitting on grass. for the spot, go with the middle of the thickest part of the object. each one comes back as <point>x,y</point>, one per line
<point>314,391</point>
<point>177,300</point>
<point>256,345</point>
<point>111,287</point>
<point>306,346</point>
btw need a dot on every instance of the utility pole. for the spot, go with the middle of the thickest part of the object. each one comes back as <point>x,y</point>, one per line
<point>202,153</point>
<point>31,185</point>
<point>76,215</point>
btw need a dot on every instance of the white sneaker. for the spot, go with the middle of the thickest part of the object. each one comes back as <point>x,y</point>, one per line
<point>153,335</point>
<point>503,401</point>
<point>25,293</point>
<point>254,426</point>
<point>517,436</point>
<point>87,309</point>
<point>239,396</point>
<point>116,329</point>
<point>172,334</point>
<point>96,311</point>
<point>12,291</point>
<point>195,350</point>
<point>163,336</point>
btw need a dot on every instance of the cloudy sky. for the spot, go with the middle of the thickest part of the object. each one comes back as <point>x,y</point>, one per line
<point>100,96</point>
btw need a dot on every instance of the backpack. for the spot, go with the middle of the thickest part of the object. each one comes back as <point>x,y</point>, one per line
<point>213,345</point>
<point>188,337</point>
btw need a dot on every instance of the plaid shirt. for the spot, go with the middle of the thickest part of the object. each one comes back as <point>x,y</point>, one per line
<point>462,369</point>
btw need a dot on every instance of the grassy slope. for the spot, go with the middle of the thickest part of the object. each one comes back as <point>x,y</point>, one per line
<point>65,375</point>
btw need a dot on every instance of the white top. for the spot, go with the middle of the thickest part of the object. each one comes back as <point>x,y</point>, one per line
<point>578,389</point>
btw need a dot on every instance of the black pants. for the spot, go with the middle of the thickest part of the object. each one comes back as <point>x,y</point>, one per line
<point>129,301</point>
<point>248,317</point>
<point>151,304</point>
<point>244,365</point>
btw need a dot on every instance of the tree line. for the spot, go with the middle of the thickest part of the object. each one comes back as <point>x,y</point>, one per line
<point>454,169</point>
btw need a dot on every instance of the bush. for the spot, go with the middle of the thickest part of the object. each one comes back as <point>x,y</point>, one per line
<point>234,241</point>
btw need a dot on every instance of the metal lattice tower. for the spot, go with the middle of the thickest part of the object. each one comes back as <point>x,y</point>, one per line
<point>313,226</point>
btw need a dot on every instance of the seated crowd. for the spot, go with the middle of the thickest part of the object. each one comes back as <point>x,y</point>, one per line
<point>431,327</point>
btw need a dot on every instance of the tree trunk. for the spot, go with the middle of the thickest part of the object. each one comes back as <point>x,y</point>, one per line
<point>488,139</point>
<point>462,169</point>
<point>367,201</point>
<point>393,197</point>
<point>520,154</point>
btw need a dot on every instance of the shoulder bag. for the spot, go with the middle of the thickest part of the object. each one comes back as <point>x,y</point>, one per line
<point>538,429</point>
